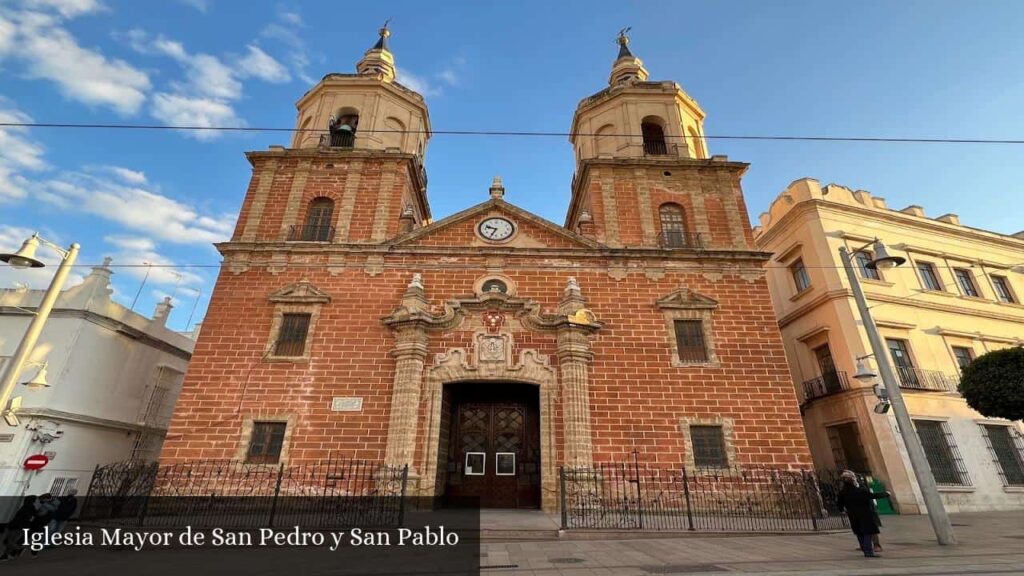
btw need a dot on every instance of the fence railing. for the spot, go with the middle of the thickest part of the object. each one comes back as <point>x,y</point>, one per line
<point>230,493</point>
<point>827,383</point>
<point>309,233</point>
<point>636,496</point>
<point>655,148</point>
<point>339,139</point>
<point>680,239</point>
<point>933,380</point>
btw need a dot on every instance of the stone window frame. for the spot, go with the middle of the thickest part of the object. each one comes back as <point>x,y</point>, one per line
<point>728,426</point>
<point>245,436</point>
<point>299,298</point>
<point>686,305</point>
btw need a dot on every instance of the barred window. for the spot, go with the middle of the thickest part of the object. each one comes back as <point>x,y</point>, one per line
<point>800,277</point>
<point>946,463</point>
<point>690,341</point>
<point>966,281</point>
<point>929,278</point>
<point>1007,448</point>
<point>863,258</point>
<point>708,446</point>
<point>291,337</point>
<point>266,442</point>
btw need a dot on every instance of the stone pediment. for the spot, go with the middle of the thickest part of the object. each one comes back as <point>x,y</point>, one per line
<point>301,292</point>
<point>686,299</point>
<point>460,229</point>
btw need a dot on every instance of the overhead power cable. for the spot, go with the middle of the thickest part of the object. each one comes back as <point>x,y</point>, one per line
<point>883,139</point>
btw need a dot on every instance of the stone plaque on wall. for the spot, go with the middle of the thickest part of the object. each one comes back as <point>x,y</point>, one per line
<point>492,349</point>
<point>347,404</point>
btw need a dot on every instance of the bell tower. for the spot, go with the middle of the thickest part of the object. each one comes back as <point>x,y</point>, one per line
<point>354,171</point>
<point>641,167</point>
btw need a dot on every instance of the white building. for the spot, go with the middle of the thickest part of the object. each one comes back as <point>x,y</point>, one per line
<point>114,376</point>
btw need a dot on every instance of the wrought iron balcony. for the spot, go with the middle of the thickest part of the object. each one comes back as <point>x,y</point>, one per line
<point>680,239</point>
<point>656,148</point>
<point>826,384</point>
<point>339,139</point>
<point>303,233</point>
<point>931,380</point>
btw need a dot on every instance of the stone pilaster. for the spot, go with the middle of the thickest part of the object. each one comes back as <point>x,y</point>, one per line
<point>294,205</point>
<point>259,201</point>
<point>574,358</point>
<point>410,353</point>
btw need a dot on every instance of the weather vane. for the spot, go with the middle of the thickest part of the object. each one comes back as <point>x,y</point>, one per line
<point>622,38</point>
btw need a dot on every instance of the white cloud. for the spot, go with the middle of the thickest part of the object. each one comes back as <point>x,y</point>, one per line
<point>6,35</point>
<point>67,8</point>
<point>82,74</point>
<point>263,66</point>
<point>137,251</point>
<point>178,110</point>
<point>449,76</point>
<point>201,5</point>
<point>416,83</point>
<point>285,30</point>
<point>128,175</point>
<point>20,154</point>
<point>137,208</point>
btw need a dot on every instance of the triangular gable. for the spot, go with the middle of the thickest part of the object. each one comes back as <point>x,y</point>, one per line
<point>302,292</point>
<point>686,299</point>
<point>459,229</point>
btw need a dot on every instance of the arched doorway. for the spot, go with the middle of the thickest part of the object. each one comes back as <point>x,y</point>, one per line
<point>490,445</point>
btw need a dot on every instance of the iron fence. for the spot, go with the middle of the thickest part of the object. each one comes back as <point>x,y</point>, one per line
<point>932,380</point>
<point>637,496</point>
<point>826,384</point>
<point>310,233</point>
<point>680,239</point>
<point>228,493</point>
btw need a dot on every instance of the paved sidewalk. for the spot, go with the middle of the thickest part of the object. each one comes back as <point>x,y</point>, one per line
<point>990,543</point>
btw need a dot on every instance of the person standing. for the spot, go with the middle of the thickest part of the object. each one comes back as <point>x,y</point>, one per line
<point>858,501</point>
<point>14,540</point>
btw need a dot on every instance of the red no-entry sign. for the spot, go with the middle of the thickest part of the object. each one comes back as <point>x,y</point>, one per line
<point>36,461</point>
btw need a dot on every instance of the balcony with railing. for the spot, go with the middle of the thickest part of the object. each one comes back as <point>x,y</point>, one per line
<point>305,233</point>
<point>678,239</point>
<point>825,385</point>
<point>656,148</point>
<point>338,139</point>
<point>929,380</point>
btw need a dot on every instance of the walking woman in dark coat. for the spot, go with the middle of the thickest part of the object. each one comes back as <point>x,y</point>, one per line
<point>857,501</point>
<point>14,540</point>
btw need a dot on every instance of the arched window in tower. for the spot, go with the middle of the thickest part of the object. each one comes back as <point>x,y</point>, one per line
<point>673,226</point>
<point>604,140</point>
<point>319,216</point>
<point>343,127</point>
<point>654,136</point>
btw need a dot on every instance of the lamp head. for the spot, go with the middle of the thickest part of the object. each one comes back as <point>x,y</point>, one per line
<point>882,407</point>
<point>882,258</point>
<point>864,373</point>
<point>26,256</point>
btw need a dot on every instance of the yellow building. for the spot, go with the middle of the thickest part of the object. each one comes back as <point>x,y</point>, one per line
<point>957,296</point>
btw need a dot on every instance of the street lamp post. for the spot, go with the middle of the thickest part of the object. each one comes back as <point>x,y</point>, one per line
<point>25,258</point>
<point>918,460</point>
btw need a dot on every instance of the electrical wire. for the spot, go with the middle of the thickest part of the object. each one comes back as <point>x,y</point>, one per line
<point>904,140</point>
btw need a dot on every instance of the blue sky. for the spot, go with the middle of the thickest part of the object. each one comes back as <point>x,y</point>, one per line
<point>930,68</point>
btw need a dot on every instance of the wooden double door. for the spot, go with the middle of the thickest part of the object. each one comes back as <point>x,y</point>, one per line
<point>494,448</point>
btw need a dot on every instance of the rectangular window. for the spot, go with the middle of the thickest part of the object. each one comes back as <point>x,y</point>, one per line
<point>1003,292</point>
<point>690,341</point>
<point>63,485</point>
<point>929,278</point>
<point>862,259</point>
<point>965,280</point>
<point>800,277</point>
<point>847,450</point>
<point>708,446</point>
<point>904,365</point>
<point>291,338</point>
<point>963,356</point>
<point>943,457</point>
<point>1007,449</point>
<point>266,442</point>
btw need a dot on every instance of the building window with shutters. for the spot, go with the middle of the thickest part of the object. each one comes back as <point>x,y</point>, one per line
<point>297,308</point>
<point>943,456</point>
<point>690,341</point>
<point>689,319</point>
<point>291,336</point>
<point>266,442</point>
<point>1006,445</point>
<point>708,444</point>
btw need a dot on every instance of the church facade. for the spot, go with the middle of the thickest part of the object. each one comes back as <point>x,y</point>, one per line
<point>488,348</point>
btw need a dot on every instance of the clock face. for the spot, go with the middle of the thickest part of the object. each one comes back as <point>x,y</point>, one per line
<point>496,229</point>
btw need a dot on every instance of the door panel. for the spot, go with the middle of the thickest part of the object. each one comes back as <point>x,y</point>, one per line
<point>507,427</point>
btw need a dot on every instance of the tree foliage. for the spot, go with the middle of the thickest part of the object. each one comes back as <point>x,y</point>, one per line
<point>993,384</point>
